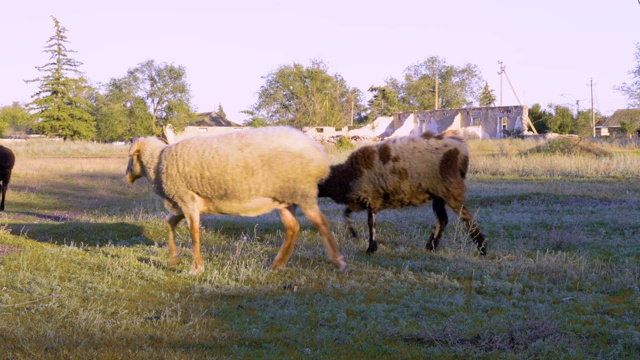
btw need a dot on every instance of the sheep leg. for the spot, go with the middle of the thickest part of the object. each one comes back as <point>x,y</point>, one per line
<point>476,235</point>
<point>442,220</point>
<point>349,220</point>
<point>371,220</point>
<point>172,222</point>
<point>314,214</point>
<point>4,192</point>
<point>292,228</point>
<point>194,227</point>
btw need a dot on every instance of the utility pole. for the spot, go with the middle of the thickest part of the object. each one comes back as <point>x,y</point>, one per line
<point>503,70</point>
<point>437,100</point>
<point>593,116</point>
<point>511,86</point>
<point>352,104</point>
<point>500,73</point>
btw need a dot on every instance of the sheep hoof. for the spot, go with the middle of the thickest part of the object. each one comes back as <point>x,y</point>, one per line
<point>373,247</point>
<point>276,267</point>
<point>174,261</point>
<point>196,270</point>
<point>340,264</point>
<point>483,249</point>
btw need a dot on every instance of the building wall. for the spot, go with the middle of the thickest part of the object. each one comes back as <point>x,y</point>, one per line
<point>488,121</point>
<point>325,132</point>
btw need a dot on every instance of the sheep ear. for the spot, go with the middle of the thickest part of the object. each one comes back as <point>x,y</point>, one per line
<point>169,134</point>
<point>136,145</point>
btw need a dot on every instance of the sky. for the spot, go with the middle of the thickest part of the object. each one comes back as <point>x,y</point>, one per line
<point>552,50</point>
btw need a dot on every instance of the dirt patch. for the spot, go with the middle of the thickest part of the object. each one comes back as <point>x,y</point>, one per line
<point>6,249</point>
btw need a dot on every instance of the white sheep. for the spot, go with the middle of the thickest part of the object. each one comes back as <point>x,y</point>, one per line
<point>405,171</point>
<point>246,173</point>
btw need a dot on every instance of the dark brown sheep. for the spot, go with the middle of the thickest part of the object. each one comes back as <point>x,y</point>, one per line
<point>7,160</point>
<point>401,172</point>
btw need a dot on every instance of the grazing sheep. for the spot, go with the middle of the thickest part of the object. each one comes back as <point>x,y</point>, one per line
<point>406,171</point>
<point>245,173</point>
<point>7,160</point>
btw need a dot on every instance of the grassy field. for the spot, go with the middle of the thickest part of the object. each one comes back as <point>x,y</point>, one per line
<point>84,268</point>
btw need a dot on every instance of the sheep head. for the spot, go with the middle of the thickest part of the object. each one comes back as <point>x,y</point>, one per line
<point>134,168</point>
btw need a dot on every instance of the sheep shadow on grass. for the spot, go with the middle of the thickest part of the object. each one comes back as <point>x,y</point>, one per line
<point>80,232</point>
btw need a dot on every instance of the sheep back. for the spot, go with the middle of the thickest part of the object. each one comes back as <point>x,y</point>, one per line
<point>400,172</point>
<point>278,163</point>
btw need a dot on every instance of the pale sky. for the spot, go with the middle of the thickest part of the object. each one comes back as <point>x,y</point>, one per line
<point>551,48</point>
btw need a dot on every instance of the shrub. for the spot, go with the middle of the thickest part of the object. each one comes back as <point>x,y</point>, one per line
<point>515,133</point>
<point>344,144</point>
<point>566,146</point>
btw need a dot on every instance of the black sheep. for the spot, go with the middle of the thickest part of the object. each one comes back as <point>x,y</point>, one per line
<point>401,172</point>
<point>7,160</point>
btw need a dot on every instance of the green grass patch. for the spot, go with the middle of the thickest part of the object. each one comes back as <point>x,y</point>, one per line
<point>84,270</point>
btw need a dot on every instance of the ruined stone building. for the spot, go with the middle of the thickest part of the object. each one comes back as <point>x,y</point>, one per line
<point>493,122</point>
<point>485,122</point>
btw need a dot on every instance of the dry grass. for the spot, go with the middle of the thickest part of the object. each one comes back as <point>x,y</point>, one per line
<point>91,278</point>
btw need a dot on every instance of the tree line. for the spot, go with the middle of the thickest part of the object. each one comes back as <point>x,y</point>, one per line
<point>151,96</point>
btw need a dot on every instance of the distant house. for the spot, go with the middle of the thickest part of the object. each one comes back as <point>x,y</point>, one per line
<point>613,126</point>
<point>208,123</point>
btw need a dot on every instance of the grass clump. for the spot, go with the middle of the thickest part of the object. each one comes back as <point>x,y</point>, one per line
<point>57,147</point>
<point>569,146</point>
<point>344,143</point>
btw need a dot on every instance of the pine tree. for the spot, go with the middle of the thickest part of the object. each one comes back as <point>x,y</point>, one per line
<point>221,112</point>
<point>61,104</point>
<point>486,97</point>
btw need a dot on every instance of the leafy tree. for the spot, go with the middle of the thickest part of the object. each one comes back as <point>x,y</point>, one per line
<point>120,114</point>
<point>583,124</point>
<point>14,118</point>
<point>4,124</point>
<point>562,121</point>
<point>458,87</point>
<point>632,89</point>
<point>254,119</point>
<point>384,102</point>
<point>305,96</point>
<point>164,89</point>
<point>629,124</point>
<point>60,104</point>
<point>540,118</point>
<point>487,98</point>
